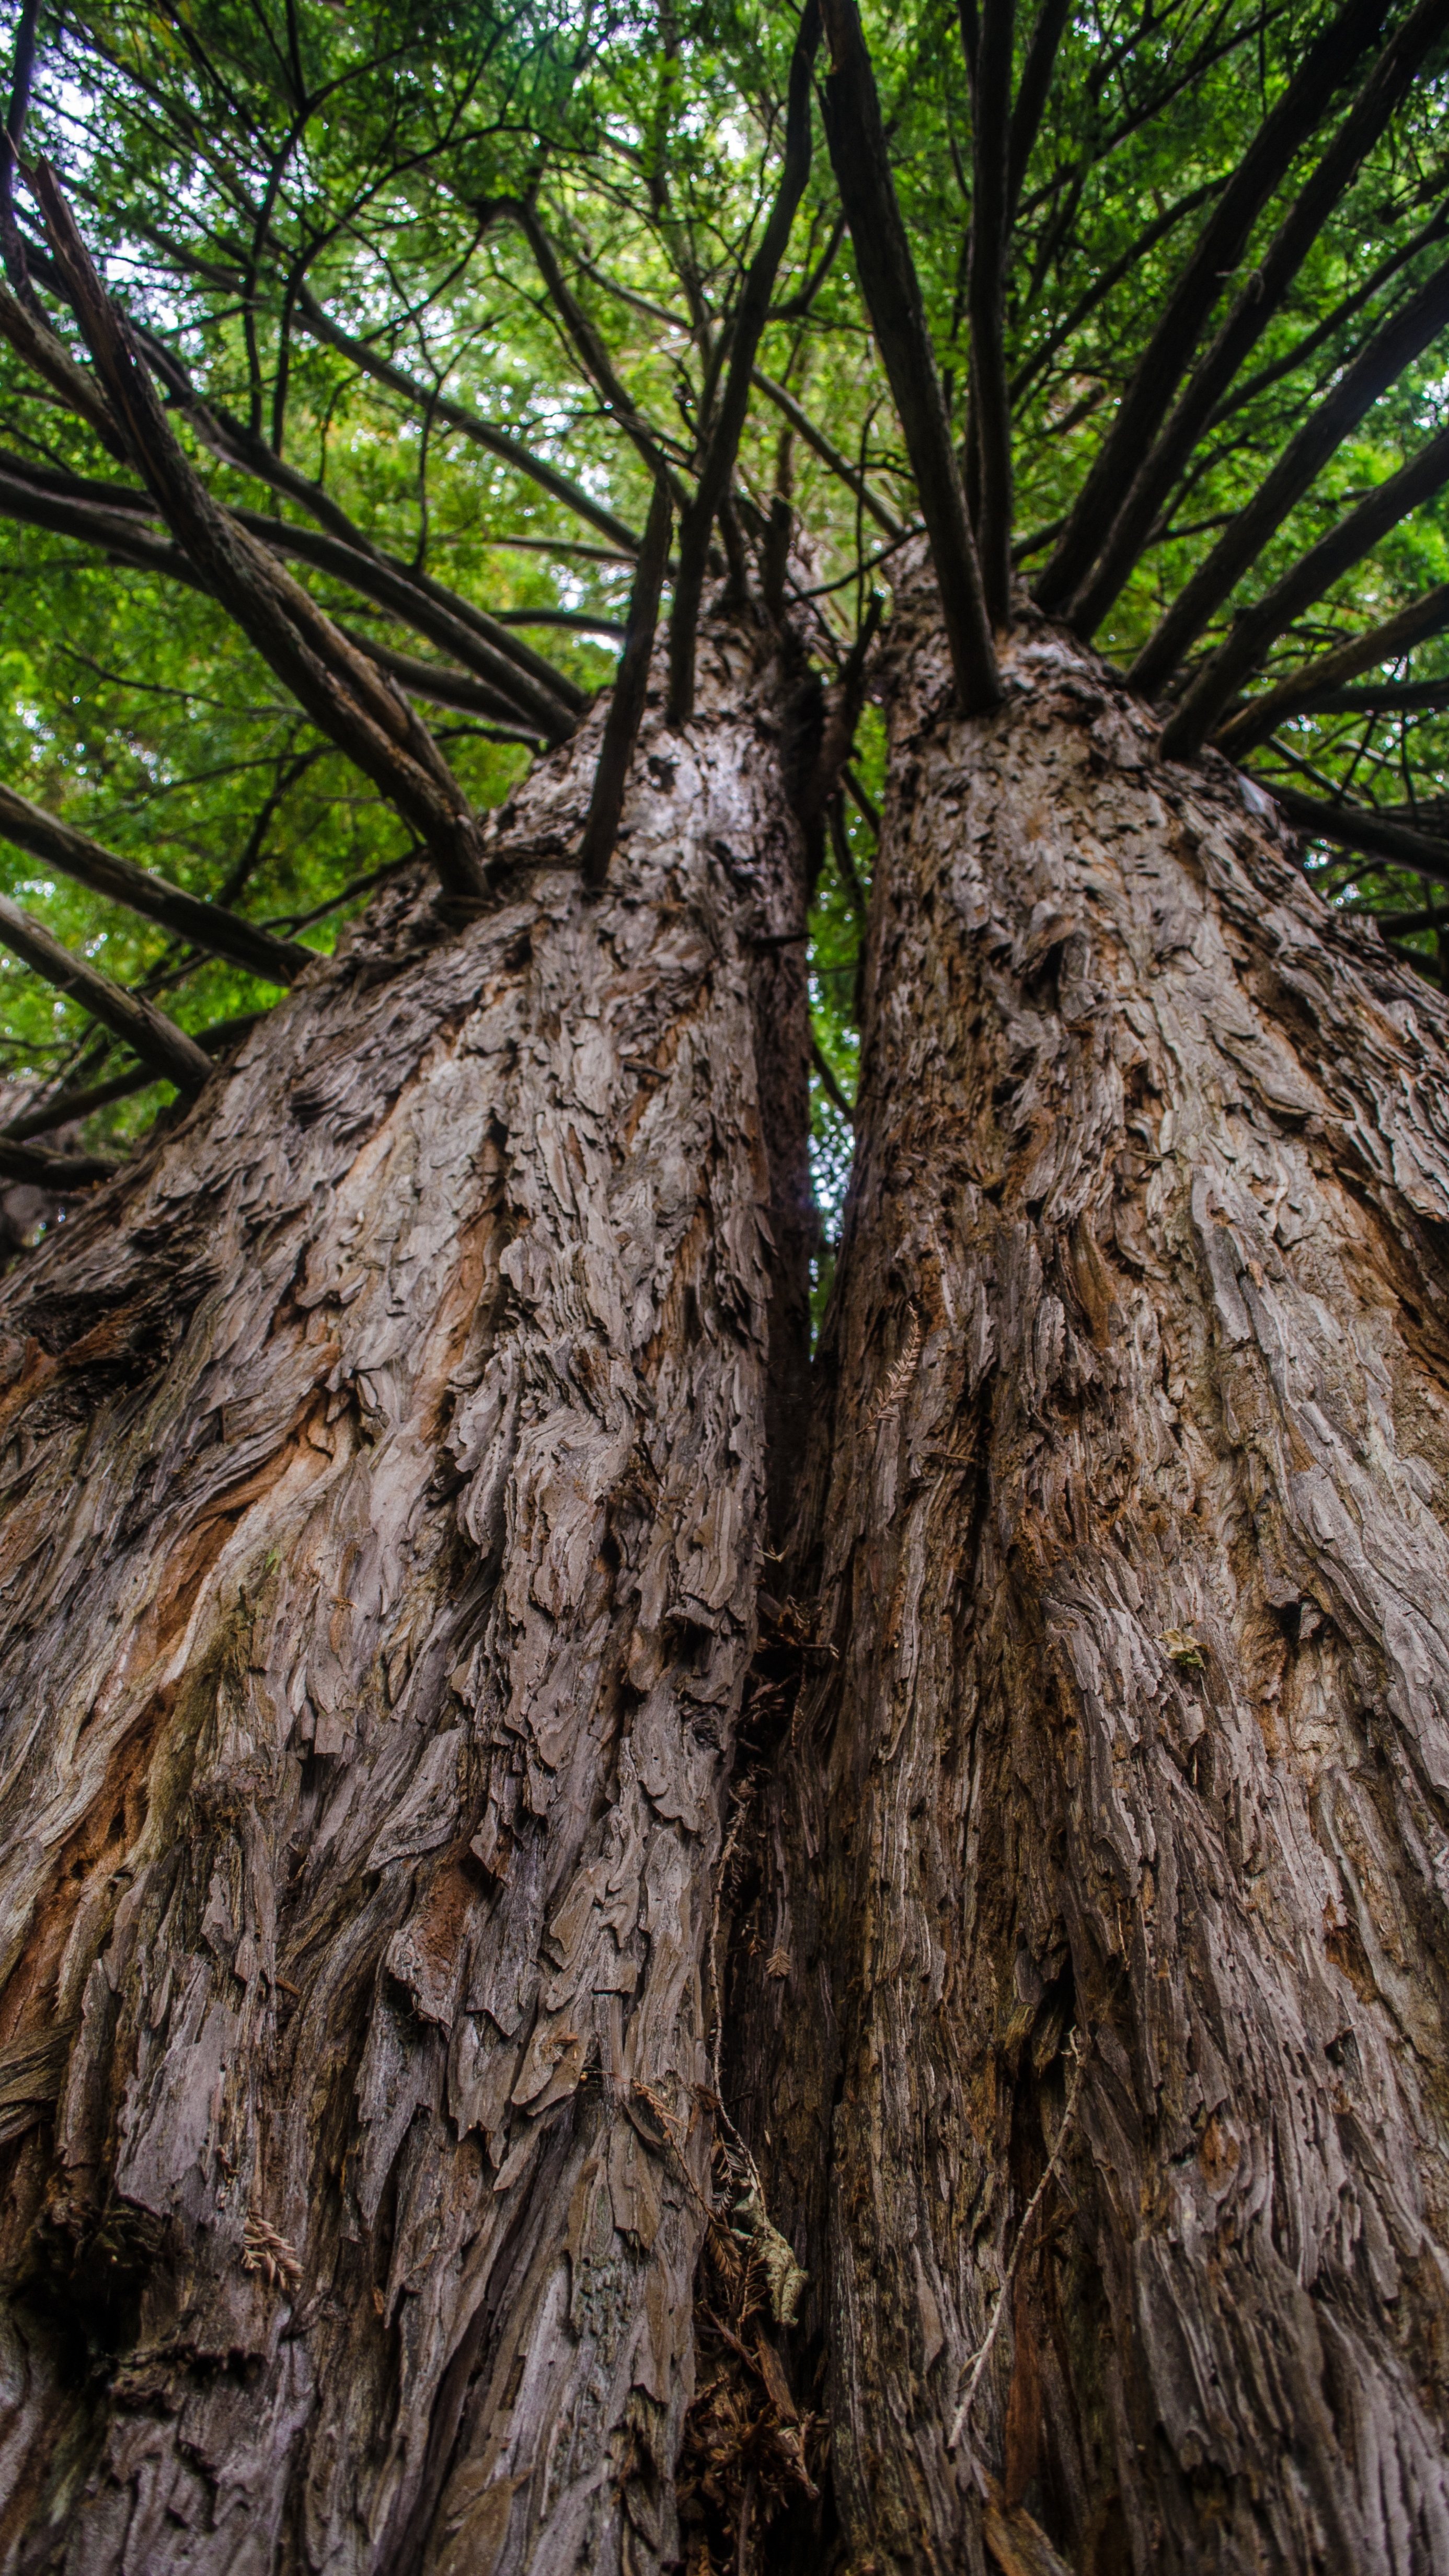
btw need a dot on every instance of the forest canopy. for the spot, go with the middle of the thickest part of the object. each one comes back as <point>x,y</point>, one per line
<point>437,300</point>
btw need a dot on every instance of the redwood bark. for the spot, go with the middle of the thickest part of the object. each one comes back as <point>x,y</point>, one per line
<point>385,1487</point>
<point>1125,1726</point>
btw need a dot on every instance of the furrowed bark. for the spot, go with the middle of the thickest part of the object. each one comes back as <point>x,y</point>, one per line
<point>892,291</point>
<point>1258,626</point>
<point>703,505</point>
<point>386,1490</point>
<point>1379,365</point>
<point>157,1041</point>
<point>207,925</point>
<point>1219,248</point>
<point>1306,686</point>
<point>1127,1714</point>
<point>1148,493</point>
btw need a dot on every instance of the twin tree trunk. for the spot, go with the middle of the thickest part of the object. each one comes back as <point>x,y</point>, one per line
<point>388,1491</point>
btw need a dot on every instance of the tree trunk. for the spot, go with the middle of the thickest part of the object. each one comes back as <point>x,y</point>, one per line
<point>385,1493</point>
<point>1099,1870</point>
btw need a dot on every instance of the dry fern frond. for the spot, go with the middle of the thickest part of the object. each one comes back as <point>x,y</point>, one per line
<point>903,1372</point>
<point>264,2251</point>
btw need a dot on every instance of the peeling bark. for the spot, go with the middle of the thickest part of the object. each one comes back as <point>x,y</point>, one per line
<point>385,1482</point>
<point>1126,1720</point>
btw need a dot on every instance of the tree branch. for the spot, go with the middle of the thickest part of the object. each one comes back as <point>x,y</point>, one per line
<point>1259,301</point>
<point>158,1042</point>
<point>986,294</point>
<point>114,519</point>
<point>1255,628</point>
<point>1355,828</point>
<point>1031,98</point>
<point>346,696</point>
<point>588,342</point>
<point>1314,681</point>
<point>631,685</point>
<point>64,1107</point>
<point>718,462</point>
<point>53,1171</point>
<point>1393,347</point>
<point>470,424</point>
<point>1219,248</point>
<point>784,401</point>
<point>892,293</point>
<point>206,925</point>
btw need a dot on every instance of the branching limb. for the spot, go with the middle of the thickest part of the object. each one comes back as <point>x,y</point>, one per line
<point>1356,828</point>
<point>206,925</point>
<point>1031,97</point>
<point>1394,69</point>
<point>626,707</point>
<point>469,424</point>
<point>842,716</point>
<point>718,463</point>
<point>1313,683</point>
<point>588,342</point>
<point>799,419</point>
<point>52,1171</point>
<point>1255,628</point>
<point>346,696</point>
<point>829,1084</point>
<point>63,1107</point>
<point>1392,348</point>
<point>990,224</point>
<point>1220,247</point>
<point>159,1043</point>
<point>892,292</point>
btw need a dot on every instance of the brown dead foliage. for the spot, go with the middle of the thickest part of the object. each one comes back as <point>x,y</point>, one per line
<point>749,2451</point>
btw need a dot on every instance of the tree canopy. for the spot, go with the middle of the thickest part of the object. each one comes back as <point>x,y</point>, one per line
<point>351,354</point>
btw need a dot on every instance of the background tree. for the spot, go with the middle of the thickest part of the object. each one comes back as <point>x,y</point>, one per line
<point>621,1946</point>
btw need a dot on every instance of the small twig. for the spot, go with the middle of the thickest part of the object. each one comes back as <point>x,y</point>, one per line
<point>1082,2050</point>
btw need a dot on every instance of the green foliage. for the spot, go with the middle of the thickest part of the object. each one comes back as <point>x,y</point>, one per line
<point>243,165</point>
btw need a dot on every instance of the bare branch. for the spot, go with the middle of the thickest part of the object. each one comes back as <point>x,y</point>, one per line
<point>718,462</point>
<point>53,1171</point>
<point>800,420</point>
<point>206,925</point>
<point>1031,98</point>
<point>345,694</point>
<point>1260,299</point>
<point>588,342</point>
<point>1255,628</point>
<point>892,293</point>
<point>626,707</point>
<point>1219,248</point>
<point>63,1108</point>
<point>156,1040</point>
<point>990,223</point>
<point>1313,682</point>
<point>470,424</point>
<point>1355,828</point>
<point>1393,347</point>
